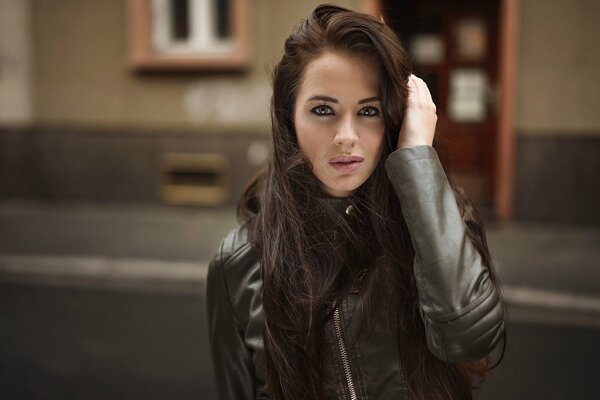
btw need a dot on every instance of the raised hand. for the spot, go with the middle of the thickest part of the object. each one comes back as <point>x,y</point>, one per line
<point>418,126</point>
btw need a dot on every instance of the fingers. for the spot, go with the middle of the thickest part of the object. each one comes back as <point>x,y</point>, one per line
<point>420,118</point>
<point>411,84</point>
<point>419,94</point>
<point>420,87</point>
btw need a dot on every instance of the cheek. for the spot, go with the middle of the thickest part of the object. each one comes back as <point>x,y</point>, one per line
<point>375,144</point>
<point>310,139</point>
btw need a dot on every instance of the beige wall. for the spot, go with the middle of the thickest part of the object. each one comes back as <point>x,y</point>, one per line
<point>558,73</point>
<point>81,74</point>
<point>15,63</point>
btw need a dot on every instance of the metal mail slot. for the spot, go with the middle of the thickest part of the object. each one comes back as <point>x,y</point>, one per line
<point>194,179</point>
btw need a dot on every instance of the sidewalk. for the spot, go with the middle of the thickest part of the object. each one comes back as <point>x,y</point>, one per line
<point>549,273</point>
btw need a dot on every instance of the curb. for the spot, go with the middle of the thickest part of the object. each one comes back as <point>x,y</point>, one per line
<point>524,304</point>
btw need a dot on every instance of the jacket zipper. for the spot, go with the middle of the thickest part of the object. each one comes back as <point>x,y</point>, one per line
<point>344,353</point>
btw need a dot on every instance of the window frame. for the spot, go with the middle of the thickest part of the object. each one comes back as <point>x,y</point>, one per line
<point>143,57</point>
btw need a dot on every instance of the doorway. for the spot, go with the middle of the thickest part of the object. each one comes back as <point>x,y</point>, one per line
<point>454,45</point>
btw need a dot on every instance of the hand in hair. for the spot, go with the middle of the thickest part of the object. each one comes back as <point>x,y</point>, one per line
<point>418,126</point>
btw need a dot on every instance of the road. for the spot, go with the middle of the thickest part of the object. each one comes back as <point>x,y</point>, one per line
<point>73,343</point>
<point>108,303</point>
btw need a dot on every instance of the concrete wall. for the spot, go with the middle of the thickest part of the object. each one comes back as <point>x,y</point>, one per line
<point>64,70</point>
<point>558,112</point>
<point>15,62</point>
<point>99,131</point>
<point>558,90</point>
<point>80,71</point>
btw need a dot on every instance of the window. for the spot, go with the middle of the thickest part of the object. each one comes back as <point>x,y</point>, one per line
<point>188,34</point>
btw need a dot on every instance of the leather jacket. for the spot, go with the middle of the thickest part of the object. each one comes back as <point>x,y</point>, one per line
<point>460,307</point>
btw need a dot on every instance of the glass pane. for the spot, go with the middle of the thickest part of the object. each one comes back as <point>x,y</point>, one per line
<point>471,39</point>
<point>467,98</point>
<point>222,9</point>
<point>180,19</point>
<point>427,48</point>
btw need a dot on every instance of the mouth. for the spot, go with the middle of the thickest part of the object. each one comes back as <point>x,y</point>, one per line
<point>346,163</point>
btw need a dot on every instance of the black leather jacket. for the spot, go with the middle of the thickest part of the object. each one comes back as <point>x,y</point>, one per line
<point>460,307</point>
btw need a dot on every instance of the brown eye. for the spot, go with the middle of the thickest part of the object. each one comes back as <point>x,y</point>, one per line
<point>322,110</point>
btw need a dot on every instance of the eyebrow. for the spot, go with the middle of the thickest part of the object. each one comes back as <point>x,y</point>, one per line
<point>334,100</point>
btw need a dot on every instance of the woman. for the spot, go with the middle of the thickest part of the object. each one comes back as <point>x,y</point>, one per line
<point>357,272</point>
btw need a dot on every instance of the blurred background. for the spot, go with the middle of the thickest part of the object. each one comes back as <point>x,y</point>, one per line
<point>128,129</point>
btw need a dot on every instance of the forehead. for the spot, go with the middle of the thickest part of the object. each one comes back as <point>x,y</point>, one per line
<point>340,75</point>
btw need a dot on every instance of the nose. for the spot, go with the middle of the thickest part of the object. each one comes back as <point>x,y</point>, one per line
<point>346,134</point>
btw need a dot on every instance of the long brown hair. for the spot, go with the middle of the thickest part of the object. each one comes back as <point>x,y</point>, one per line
<point>309,255</point>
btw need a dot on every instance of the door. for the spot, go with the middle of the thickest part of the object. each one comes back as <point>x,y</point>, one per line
<point>454,47</point>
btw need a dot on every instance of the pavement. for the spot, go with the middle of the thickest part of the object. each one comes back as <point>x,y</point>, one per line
<point>553,269</point>
<point>107,301</point>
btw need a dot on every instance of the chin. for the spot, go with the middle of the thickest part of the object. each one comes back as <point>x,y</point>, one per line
<point>342,190</point>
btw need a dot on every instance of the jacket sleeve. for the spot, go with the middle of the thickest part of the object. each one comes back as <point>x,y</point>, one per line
<point>460,306</point>
<point>232,360</point>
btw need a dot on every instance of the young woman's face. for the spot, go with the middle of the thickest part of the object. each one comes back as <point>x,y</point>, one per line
<point>338,120</point>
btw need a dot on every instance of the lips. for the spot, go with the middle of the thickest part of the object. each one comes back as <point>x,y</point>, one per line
<point>346,163</point>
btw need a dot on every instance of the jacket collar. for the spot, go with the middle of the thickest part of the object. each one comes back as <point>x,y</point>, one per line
<point>344,206</point>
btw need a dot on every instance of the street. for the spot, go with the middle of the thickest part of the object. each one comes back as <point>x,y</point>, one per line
<point>84,316</point>
<point>68,343</point>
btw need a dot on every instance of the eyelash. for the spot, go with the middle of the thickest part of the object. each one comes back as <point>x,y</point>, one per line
<point>375,110</point>
<point>328,111</point>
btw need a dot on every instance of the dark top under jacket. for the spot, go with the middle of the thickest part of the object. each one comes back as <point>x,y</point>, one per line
<point>460,307</point>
